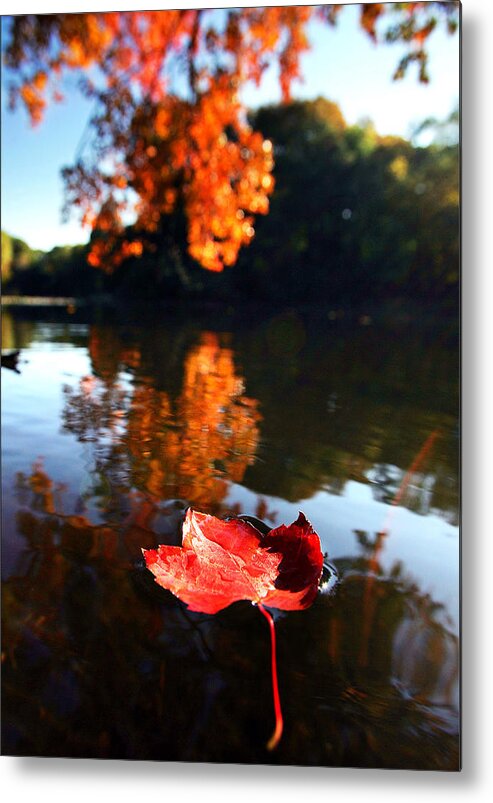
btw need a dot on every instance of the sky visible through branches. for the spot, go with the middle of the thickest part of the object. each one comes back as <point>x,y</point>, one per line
<point>343,65</point>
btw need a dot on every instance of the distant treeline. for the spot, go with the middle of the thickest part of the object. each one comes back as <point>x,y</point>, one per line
<point>32,272</point>
<point>354,216</point>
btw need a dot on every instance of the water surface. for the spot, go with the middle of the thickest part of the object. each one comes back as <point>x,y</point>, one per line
<point>112,428</point>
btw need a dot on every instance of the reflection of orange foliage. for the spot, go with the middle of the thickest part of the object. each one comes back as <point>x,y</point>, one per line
<point>99,541</point>
<point>105,351</point>
<point>190,447</point>
<point>212,436</point>
<point>42,487</point>
<point>263,513</point>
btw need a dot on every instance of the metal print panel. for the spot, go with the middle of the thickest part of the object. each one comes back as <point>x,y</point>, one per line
<point>230,385</point>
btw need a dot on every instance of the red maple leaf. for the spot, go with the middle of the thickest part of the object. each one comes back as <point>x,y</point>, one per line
<point>222,562</point>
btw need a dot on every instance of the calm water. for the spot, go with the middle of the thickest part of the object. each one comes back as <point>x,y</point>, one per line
<point>112,429</point>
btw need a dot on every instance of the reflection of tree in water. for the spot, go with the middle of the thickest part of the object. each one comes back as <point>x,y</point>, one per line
<point>99,662</point>
<point>424,650</point>
<point>209,437</point>
<point>75,671</point>
<point>189,447</point>
<point>422,492</point>
<point>339,402</point>
<point>353,404</point>
<point>336,406</point>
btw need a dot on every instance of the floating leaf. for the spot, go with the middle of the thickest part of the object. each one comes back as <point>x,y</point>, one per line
<point>221,562</point>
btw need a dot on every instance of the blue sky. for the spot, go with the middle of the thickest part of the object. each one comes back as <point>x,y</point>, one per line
<point>343,65</point>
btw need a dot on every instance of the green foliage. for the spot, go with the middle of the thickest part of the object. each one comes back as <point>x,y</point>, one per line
<point>62,271</point>
<point>7,256</point>
<point>17,256</point>
<point>354,216</point>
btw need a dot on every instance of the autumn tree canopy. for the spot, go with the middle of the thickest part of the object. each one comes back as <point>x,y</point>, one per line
<point>170,131</point>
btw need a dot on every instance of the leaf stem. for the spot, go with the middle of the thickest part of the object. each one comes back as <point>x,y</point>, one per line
<point>276,736</point>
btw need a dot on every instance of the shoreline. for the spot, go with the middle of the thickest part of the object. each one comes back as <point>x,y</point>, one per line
<point>41,301</point>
